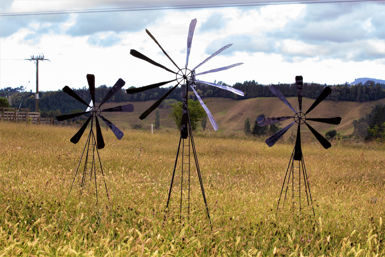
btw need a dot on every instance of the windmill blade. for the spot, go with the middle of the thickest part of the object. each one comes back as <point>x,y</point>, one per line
<point>323,141</point>
<point>165,53</point>
<point>99,136</point>
<point>334,121</point>
<point>118,85</point>
<point>211,56</point>
<point>135,90</point>
<point>75,139</point>
<point>298,147</point>
<point>157,103</point>
<point>211,118</point>
<point>191,30</point>
<point>72,93</point>
<point>121,108</point>
<point>145,58</point>
<point>91,85</point>
<point>118,133</point>
<point>281,97</point>
<point>320,98</point>
<point>274,138</point>
<point>262,121</point>
<point>220,69</point>
<point>69,116</point>
<point>299,84</point>
<point>227,88</point>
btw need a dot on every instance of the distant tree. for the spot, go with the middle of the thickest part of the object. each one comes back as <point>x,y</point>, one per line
<point>273,128</point>
<point>204,122</point>
<point>372,126</point>
<point>195,110</point>
<point>331,134</point>
<point>157,119</point>
<point>246,127</point>
<point>4,102</point>
<point>258,130</point>
<point>8,91</point>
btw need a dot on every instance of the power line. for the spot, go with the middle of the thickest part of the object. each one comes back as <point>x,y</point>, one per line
<point>37,58</point>
<point>183,6</point>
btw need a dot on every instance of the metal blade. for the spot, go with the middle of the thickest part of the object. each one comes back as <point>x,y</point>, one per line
<point>279,94</point>
<point>274,138</point>
<point>79,134</point>
<point>69,116</point>
<point>118,85</point>
<point>220,69</point>
<point>214,54</point>
<point>335,120</point>
<point>157,103</point>
<point>231,89</point>
<point>299,84</point>
<point>211,118</point>
<point>121,108</point>
<point>191,30</point>
<point>320,98</point>
<point>135,90</point>
<point>153,38</point>
<point>263,121</point>
<point>99,136</point>
<point>72,93</point>
<point>323,141</point>
<point>145,58</point>
<point>298,148</point>
<point>91,85</point>
<point>118,133</point>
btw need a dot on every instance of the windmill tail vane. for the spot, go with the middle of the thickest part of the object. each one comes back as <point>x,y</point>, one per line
<point>184,76</point>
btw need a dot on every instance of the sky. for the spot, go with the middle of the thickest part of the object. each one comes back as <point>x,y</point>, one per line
<point>328,43</point>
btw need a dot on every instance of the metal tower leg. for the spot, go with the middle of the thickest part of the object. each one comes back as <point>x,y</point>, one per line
<point>289,181</point>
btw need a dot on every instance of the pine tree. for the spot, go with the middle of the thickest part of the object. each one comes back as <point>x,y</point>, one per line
<point>157,119</point>
<point>246,127</point>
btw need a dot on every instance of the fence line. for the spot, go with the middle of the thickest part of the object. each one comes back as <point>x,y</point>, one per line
<point>23,115</point>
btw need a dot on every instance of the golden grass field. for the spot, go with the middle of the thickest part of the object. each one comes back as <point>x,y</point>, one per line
<point>242,178</point>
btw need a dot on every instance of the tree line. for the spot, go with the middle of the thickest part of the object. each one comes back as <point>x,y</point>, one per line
<point>54,102</point>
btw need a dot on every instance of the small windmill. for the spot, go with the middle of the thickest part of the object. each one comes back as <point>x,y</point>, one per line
<point>94,112</point>
<point>300,118</point>
<point>187,79</point>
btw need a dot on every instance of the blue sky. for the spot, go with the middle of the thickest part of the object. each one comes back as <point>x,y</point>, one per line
<point>326,43</point>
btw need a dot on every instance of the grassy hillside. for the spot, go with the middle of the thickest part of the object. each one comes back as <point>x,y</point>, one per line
<point>231,114</point>
<point>242,178</point>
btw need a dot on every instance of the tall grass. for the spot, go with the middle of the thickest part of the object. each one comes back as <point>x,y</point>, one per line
<point>242,178</point>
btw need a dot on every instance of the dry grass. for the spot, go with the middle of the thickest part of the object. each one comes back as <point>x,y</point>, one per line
<point>242,179</point>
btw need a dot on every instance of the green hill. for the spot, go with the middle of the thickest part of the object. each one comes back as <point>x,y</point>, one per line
<point>230,114</point>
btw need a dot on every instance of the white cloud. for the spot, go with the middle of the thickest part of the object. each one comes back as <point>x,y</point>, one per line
<point>325,43</point>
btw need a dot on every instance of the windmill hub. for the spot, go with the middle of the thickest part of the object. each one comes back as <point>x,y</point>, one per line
<point>300,118</point>
<point>95,110</point>
<point>184,75</point>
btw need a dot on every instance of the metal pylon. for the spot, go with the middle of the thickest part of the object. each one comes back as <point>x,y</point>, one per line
<point>296,180</point>
<point>90,158</point>
<point>186,144</point>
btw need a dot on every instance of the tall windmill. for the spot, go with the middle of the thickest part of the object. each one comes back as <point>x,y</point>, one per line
<point>300,118</point>
<point>90,155</point>
<point>187,78</point>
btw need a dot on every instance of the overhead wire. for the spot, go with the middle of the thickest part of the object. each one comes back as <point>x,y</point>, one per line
<point>219,4</point>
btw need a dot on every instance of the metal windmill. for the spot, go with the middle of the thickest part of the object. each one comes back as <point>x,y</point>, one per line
<point>300,118</point>
<point>94,112</point>
<point>185,77</point>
